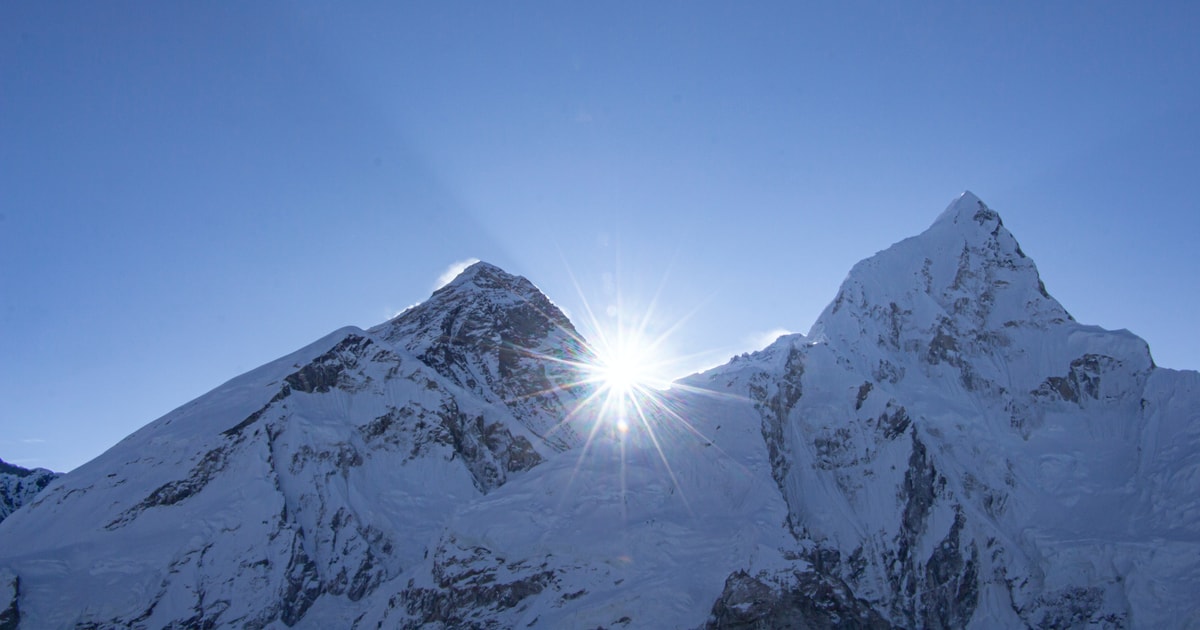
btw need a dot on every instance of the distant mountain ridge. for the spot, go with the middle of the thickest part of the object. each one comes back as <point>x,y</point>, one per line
<point>946,448</point>
<point>19,485</point>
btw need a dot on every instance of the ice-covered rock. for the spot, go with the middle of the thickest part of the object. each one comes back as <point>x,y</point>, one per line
<point>946,448</point>
<point>293,491</point>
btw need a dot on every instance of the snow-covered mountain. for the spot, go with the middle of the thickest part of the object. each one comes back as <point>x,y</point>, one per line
<point>946,447</point>
<point>958,451</point>
<point>302,486</point>
<point>19,485</point>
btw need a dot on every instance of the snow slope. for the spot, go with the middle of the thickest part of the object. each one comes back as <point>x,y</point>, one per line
<point>315,477</point>
<point>946,447</point>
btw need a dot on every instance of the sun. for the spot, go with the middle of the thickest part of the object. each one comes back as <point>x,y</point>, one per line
<point>630,404</point>
<point>623,371</point>
<point>624,378</point>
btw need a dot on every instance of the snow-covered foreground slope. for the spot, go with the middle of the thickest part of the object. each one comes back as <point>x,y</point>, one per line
<point>947,447</point>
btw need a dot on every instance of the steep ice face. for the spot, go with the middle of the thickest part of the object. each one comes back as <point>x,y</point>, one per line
<point>19,486</point>
<point>947,435</point>
<point>965,279</point>
<point>497,335</point>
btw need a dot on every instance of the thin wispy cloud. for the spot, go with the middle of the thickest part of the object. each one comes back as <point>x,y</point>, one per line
<point>452,272</point>
<point>395,313</point>
<point>764,339</point>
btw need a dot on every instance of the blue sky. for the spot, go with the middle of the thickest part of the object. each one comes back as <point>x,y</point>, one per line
<point>188,190</point>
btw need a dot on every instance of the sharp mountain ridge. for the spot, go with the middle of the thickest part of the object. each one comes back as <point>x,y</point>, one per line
<point>945,448</point>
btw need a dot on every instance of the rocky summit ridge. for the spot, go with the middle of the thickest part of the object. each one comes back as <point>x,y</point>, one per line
<point>19,485</point>
<point>946,448</point>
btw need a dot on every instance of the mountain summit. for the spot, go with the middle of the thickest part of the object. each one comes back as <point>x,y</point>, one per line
<point>947,437</point>
<point>498,336</point>
<point>946,448</point>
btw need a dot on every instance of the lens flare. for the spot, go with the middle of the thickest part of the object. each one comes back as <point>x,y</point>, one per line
<point>630,410</point>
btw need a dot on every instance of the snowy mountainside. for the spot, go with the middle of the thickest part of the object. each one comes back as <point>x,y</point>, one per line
<point>622,533</point>
<point>286,493</point>
<point>959,451</point>
<point>946,448</point>
<point>19,485</point>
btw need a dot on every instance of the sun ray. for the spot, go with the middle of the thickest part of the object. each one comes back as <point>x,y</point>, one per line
<point>631,410</point>
<point>648,426</point>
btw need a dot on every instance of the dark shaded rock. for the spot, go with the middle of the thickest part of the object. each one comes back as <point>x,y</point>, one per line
<point>921,485</point>
<point>10,592</point>
<point>326,371</point>
<point>236,430</point>
<point>303,585</point>
<point>893,422</point>
<point>802,601</point>
<point>1076,607</point>
<point>470,586</point>
<point>863,391</point>
<point>1081,382</point>
<point>497,335</point>
<point>16,471</point>
<point>490,451</point>
<point>774,398</point>
<point>832,448</point>
<point>951,591</point>
<point>19,486</point>
<point>173,492</point>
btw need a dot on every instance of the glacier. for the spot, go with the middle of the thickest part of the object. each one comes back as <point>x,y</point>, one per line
<point>945,448</point>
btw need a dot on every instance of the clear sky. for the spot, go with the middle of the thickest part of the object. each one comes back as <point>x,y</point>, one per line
<point>191,189</point>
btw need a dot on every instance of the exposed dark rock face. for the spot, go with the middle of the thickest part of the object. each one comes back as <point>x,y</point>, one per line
<point>497,335</point>
<point>303,585</point>
<point>1082,381</point>
<point>19,486</point>
<point>774,399</point>
<point>1078,607</point>
<point>490,451</point>
<point>10,592</point>
<point>892,422</point>
<point>470,584</point>
<point>332,369</point>
<point>173,492</point>
<point>800,601</point>
<point>951,590</point>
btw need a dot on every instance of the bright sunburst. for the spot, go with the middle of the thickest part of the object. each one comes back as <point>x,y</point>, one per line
<point>623,372</point>
<point>631,409</point>
<point>625,367</point>
<point>620,374</point>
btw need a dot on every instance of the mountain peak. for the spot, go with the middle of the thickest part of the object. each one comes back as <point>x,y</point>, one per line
<point>481,285</point>
<point>949,451</point>
<point>485,271</point>
<point>490,279</point>
<point>969,210</point>
<point>498,335</point>
<point>966,269</point>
